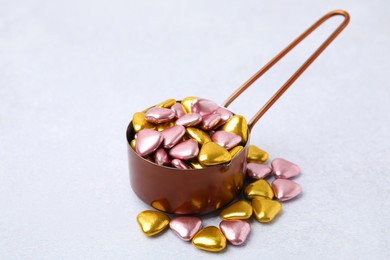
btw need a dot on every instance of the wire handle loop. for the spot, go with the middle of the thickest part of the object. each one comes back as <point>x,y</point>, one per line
<point>301,69</point>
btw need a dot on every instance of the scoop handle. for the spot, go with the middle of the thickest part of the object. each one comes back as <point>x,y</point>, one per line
<point>301,69</point>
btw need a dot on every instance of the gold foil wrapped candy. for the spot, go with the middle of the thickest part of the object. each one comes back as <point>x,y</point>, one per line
<point>210,239</point>
<point>255,154</point>
<point>213,154</point>
<point>152,222</point>
<point>237,125</point>
<point>259,188</point>
<point>237,211</point>
<point>265,210</point>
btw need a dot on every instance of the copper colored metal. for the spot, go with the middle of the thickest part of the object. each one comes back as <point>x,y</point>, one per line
<point>301,69</point>
<point>178,191</point>
<point>199,191</point>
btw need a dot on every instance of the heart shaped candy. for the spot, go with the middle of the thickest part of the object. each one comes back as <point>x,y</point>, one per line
<point>177,163</point>
<point>167,103</point>
<point>200,136</point>
<point>210,239</point>
<point>152,222</point>
<point>210,121</point>
<point>285,189</point>
<point>187,103</point>
<point>172,135</point>
<point>161,157</point>
<point>235,231</point>
<point>139,122</point>
<point>284,169</point>
<point>259,188</point>
<point>237,125</point>
<point>225,139</point>
<point>178,109</point>
<point>224,114</point>
<point>238,210</point>
<point>257,170</point>
<point>185,150</point>
<point>185,227</point>
<point>255,154</point>
<point>236,150</point>
<point>203,107</point>
<point>189,119</point>
<point>159,115</point>
<point>147,141</point>
<point>265,210</point>
<point>213,154</point>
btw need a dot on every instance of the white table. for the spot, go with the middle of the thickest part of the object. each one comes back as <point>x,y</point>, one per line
<point>72,73</point>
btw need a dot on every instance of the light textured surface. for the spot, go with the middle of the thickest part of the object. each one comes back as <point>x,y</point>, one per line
<point>73,72</point>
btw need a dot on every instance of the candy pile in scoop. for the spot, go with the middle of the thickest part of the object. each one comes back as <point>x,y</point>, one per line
<point>193,134</point>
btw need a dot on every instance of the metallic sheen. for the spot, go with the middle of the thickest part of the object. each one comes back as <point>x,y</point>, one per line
<point>194,191</point>
<point>259,188</point>
<point>265,210</point>
<point>210,239</point>
<point>210,121</point>
<point>236,211</point>
<point>161,157</point>
<point>187,103</point>
<point>301,69</point>
<point>172,135</point>
<point>191,119</point>
<point>284,169</point>
<point>236,150</point>
<point>167,103</point>
<point>163,126</point>
<point>237,125</point>
<point>177,163</point>
<point>152,222</point>
<point>235,231</point>
<point>255,154</point>
<point>147,141</point>
<point>159,115</point>
<point>195,164</point>
<point>132,144</point>
<point>199,135</point>
<point>213,154</point>
<point>224,113</point>
<point>285,189</point>
<point>185,150</point>
<point>204,107</point>
<point>257,170</point>
<point>225,139</point>
<point>139,122</point>
<point>178,109</point>
<point>185,227</point>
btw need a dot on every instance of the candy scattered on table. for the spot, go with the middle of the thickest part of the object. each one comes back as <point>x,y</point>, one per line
<point>197,133</point>
<point>185,227</point>
<point>259,188</point>
<point>265,210</point>
<point>255,154</point>
<point>257,170</point>
<point>184,128</point>
<point>238,210</point>
<point>235,231</point>
<point>285,189</point>
<point>152,222</point>
<point>284,169</point>
<point>210,239</point>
